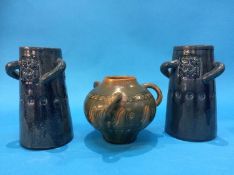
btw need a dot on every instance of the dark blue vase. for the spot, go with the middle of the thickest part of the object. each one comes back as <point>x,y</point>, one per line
<point>45,120</point>
<point>191,101</point>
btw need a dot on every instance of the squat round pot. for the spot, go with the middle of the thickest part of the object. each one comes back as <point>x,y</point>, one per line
<point>119,107</point>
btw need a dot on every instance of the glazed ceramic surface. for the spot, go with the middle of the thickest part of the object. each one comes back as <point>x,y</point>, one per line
<point>191,102</point>
<point>45,120</point>
<point>120,107</point>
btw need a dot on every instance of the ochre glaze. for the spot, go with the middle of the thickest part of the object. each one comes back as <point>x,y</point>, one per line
<point>119,107</point>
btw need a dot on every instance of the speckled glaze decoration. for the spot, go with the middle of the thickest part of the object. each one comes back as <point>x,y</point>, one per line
<point>119,107</point>
<point>45,120</point>
<point>191,101</point>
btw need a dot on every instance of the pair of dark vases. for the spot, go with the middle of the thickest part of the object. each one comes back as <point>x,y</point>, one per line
<point>118,107</point>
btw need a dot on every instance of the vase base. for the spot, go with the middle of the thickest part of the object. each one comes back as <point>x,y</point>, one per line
<point>191,139</point>
<point>46,147</point>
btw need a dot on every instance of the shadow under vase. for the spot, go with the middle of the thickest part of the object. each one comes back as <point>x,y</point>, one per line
<point>16,145</point>
<point>218,141</point>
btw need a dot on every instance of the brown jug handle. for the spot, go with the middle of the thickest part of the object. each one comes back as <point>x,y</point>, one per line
<point>96,84</point>
<point>164,68</point>
<point>61,66</point>
<point>116,98</point>
<point>215,72</point>
<point>11,69</point>
<point>158,91</point>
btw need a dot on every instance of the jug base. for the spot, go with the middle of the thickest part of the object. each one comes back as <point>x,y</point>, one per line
<point>122,140</point>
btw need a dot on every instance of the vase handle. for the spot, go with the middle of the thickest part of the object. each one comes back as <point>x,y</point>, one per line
<point>164,68</point>
<point>61,66</point>
<point>11,69</point>
<point>158,91</point>
<point>215,72</point>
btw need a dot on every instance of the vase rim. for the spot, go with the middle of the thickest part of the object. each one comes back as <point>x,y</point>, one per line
<point>195,47</point>
<point>37,48</point>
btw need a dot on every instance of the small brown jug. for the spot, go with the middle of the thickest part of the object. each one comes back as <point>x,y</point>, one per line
<point>120,107</point>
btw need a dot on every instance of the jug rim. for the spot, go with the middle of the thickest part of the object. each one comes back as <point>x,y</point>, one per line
<point>117,78</point>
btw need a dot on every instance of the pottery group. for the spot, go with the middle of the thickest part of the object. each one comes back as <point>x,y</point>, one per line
<point>119,107</point>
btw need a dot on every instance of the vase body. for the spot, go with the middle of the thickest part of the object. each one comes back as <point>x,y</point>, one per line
<point>45,120</point>
<point>191,101</point>
<point>119,108</point>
